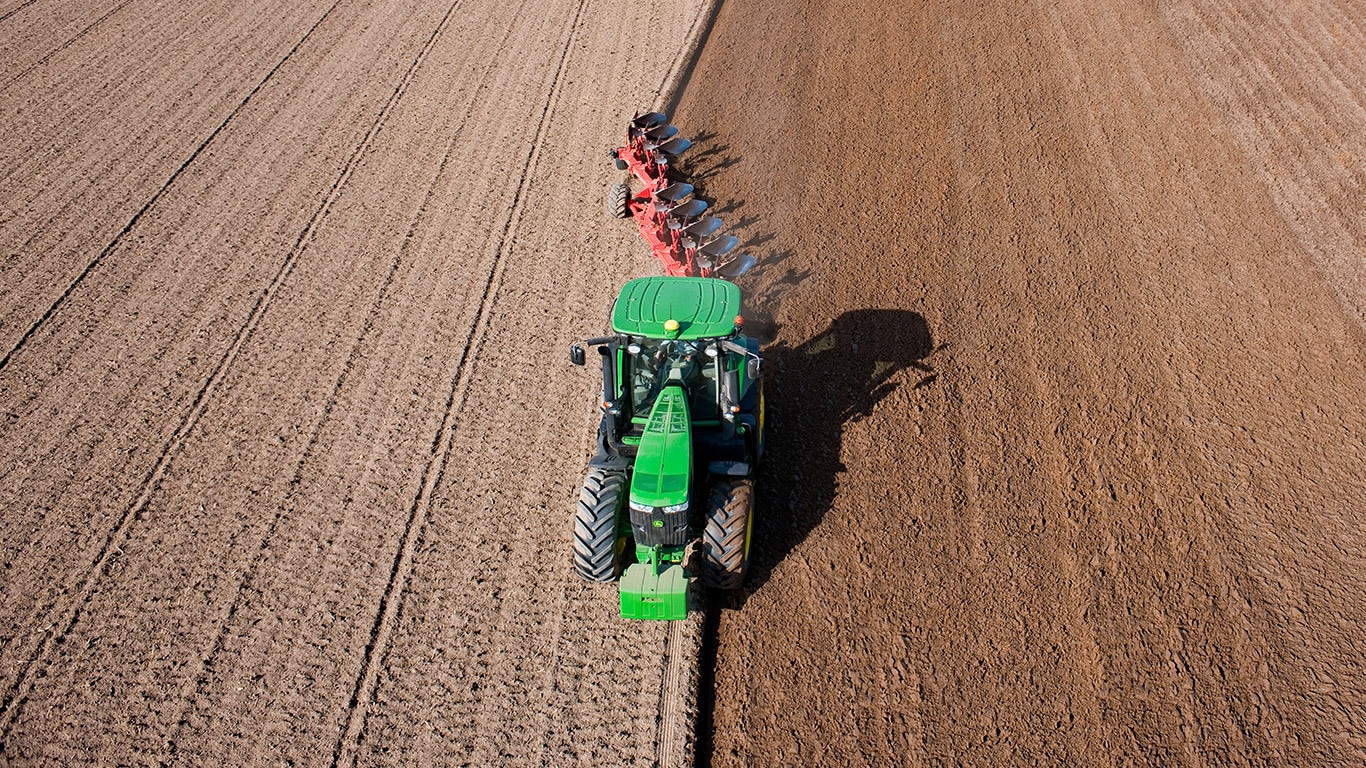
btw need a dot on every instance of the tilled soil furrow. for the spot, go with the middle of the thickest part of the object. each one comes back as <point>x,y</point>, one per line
<point>19,6</point>
<point>80,169</point>
<point>675,744</point>
<point>46,27</point>
<point>310,454</point>
<point>381,634</point>
<point>156,196</point>
<point>34,597</point>
<point>64,614</point>
<point>1288,86</point>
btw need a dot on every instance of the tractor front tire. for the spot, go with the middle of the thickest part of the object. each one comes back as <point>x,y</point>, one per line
<point>618,201</point>
<point>597,548</point>
<point>725,541</point>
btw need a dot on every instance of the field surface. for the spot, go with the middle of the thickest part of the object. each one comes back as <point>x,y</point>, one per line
<point>1068,405</point>
<point>1066,316</point>
<point>290,440</point>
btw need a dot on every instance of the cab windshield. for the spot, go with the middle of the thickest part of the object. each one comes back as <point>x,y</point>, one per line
<point>657,363</point>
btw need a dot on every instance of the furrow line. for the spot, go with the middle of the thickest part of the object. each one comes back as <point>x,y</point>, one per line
<point>670,693</point>
<point>676,79</point>
<point>68,44</point>
<point>296,479</point>
<point>17,9</point>
<point>156,196</point>
<point>69,614</point>
<point>347,749</point>
<point>366,329</point>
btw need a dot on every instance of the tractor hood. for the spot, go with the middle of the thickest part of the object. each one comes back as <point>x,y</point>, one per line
<point>663,469</point>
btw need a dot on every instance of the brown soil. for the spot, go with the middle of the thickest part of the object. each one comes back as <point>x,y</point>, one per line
<point>289,436</point>
<point>1065,302</point>
<point>1066,458</point>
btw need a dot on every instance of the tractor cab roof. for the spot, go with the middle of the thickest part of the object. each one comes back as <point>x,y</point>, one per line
<point>699,308</point>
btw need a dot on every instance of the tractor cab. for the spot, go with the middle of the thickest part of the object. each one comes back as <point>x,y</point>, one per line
<point>652,364</point>
<point>675,329</point>
<point>682,416</point>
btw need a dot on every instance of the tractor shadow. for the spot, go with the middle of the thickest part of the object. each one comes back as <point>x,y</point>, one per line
<point>813,392</point>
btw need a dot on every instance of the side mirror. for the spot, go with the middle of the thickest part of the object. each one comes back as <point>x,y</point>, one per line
<point>576,355</point>
<point>753,369</point>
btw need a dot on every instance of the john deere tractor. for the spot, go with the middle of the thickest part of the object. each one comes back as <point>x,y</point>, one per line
<point>669,494</point>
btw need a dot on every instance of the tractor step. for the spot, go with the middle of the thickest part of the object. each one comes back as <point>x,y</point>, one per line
<point>649,595</point>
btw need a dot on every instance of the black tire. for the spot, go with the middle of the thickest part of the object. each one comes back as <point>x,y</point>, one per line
<point>618,197</point>
<point>597,548</point>
<point>726,539</point>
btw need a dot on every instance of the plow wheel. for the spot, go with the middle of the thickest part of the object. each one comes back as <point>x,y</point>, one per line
<point>597,547</point>
<point>617,201</point>
<point>725,542</point>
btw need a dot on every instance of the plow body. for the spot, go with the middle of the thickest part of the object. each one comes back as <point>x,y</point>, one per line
<point>665,208</point>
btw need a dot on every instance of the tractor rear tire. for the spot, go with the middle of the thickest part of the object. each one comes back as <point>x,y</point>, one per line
<point>597,548</point>
<point>725,541</point>
<point>618,205</point>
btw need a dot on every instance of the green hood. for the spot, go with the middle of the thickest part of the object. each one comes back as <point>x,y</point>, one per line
<point>663,470</point>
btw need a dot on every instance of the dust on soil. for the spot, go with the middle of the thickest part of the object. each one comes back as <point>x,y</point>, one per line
<point>1066,450</point>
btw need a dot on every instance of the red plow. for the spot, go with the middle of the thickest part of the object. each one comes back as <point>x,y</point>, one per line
<point>672,220</point>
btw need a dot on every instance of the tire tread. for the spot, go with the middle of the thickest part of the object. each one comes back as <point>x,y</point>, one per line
<point>595,525</point>
<point>729,508</point>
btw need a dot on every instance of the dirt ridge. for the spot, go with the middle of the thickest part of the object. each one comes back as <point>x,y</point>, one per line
<point>432,473</point>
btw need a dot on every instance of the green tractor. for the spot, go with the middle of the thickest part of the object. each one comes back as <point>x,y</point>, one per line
<point>670,492</point>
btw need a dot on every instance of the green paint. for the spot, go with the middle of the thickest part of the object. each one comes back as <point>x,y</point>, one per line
<point>663,470</point>
<point>649,595</point>
<point>704,307</point>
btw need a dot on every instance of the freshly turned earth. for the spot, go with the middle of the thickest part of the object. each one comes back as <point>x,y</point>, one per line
<point>1068,396</point>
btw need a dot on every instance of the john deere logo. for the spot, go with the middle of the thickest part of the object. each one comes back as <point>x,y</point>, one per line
<point>659,523</point>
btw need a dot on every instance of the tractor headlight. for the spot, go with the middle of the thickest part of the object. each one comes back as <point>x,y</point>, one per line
<point>642,507</point>
<point>676,508</point>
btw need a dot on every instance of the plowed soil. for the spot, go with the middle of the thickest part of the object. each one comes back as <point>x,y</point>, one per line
<point>290,440</point>
<point>1065,304</point>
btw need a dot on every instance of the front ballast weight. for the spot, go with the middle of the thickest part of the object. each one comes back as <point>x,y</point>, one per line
<point>673,221</point>
<point>669,494</point>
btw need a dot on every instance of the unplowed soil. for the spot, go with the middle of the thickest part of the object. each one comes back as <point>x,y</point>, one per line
<point>1068,394</point>
<point>290,439</point>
